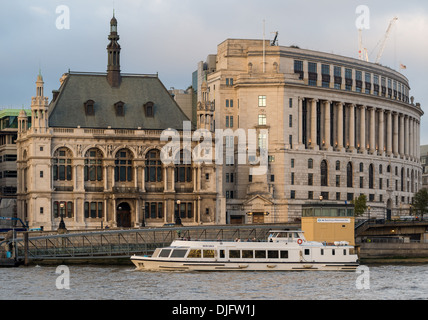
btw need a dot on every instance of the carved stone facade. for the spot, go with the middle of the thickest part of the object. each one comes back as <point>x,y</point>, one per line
<point>92,156</point>
<point>337,127</point>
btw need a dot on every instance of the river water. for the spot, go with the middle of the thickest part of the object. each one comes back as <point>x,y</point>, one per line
<point>376,282</point>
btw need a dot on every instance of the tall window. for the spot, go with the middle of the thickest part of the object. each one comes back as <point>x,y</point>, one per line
<point>123,169</point>
<point>312,73</point>
<point>93,165</point>
<point>349,176</point>
<point>324,174</point>
<point>183,171</point>
<point>262,101</point>
<point>298,68</point>
<point>153,167</point>
<point>64,208</point>
<point>62,165</point>
<point>371,176</point>
<point>262,119</point>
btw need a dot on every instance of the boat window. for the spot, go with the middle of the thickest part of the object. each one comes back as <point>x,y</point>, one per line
<point>249,254</point>
<point>344,252</point>
<point>273,254</point>
<point>333,252</point>
<point>296,235</point>
<point>208,254</point>
<point>179,253</point>
<point>234,254</point>
<point>260,254</point>
<point>322,252</point>
<point>307,252</point>
<point>165,253</point>
<point>222,255</point>
<point>284,254</point>
<point>194,254</point>
<point>282,235</point>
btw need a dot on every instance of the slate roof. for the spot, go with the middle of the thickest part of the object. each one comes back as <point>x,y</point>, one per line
<point>68,110</point>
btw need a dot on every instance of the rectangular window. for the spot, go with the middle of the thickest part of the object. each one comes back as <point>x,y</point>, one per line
<point>234,254</point>
<point>273,254</point>
<point>312,73</point>
<point>260,254</point>
<point>262,101</point>
<point>298,68</point>
<point>310,179</point>
<point>262,119</point>
<point>290,121</point>
<point>284,254</point>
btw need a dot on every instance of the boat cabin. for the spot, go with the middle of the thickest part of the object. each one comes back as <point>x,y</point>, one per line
<point>288,236</point>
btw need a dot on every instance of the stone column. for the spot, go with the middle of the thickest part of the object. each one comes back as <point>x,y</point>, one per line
<point>389,134</point>
<point>372,131</point>
<point>340,126</point>
<point>352,127</point>
<point>313,123</point>
<point>327,119</point>
<point>412,142</point>
<point>406,136</point>
<point>363,146</point>
<point>395,141</point>
<point>300,125</point>
<point>381,132</point>
<point>401,136</point>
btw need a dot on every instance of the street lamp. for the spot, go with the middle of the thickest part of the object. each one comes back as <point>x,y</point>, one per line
<point>61,227</point>
<point>177,214</point>
<point>143,210</point>
<point>369,208</point>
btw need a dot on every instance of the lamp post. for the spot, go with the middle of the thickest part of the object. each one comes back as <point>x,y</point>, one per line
<point>61,227</point>
<point>369,208</point>
<point>177,214</point>
<point>143,222</point>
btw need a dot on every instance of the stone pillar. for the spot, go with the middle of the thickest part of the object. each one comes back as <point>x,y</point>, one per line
<point>363,146</point>
<point>395,141</point>
<point>406,136</point>
<point>352,127</point>
<point>339,126</point>
<point>381,132</point>
<point>327,119</point>
<point>313,123</point>
<point>401,136</point>
<point>412,142</point>
<point>300,125</point>
<point>389,134</point>
<point>372,131</point>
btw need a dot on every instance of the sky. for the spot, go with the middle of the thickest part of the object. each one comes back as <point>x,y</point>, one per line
<point>170,37</point>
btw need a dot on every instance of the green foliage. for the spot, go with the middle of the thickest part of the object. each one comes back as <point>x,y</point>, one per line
<point>360,205</point>
<point>420,202</point>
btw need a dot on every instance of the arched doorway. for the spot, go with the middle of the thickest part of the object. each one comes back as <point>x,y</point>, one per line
<point>123,216</point>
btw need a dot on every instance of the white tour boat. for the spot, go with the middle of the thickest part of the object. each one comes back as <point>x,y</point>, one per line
<point>284,250</point>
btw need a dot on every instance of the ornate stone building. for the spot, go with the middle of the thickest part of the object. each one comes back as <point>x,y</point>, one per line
<point>337,127</point>
<point>92,156</point>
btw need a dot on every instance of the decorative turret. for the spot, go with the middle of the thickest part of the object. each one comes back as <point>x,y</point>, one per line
<point>39,108</point>
<point>22,122</point>
<point>113,50</point>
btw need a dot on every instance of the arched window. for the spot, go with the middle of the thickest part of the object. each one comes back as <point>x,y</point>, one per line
<point>93,165</point>
<point>371,176</point>
<point>349,176</point>
<point>62,165</point>
<point>324,174</point>
<point>183,171</point>
<point>153,167</point>
<point>123,168</point>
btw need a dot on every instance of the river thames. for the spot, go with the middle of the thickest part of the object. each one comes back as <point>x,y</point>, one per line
<point>375,282</point>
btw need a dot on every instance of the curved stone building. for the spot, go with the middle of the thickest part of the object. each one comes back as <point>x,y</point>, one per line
<point>337,127</point>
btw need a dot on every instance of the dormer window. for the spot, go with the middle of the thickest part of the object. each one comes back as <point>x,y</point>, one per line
<point>120,109</point>
<point>149,109</point>
<point>89,107</point>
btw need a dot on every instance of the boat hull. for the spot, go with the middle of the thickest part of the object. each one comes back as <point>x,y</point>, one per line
<point>149,264</point>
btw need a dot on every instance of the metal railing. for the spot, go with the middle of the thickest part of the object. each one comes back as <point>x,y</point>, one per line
<point>125,243</point>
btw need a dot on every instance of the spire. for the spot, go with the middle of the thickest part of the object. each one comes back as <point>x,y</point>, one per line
<point>113,51</point>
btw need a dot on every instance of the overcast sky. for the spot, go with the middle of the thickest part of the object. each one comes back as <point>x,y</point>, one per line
<point>172,36</point>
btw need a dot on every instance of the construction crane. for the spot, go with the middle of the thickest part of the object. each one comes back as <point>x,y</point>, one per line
<point>385,38</point>
<point>362,52</point>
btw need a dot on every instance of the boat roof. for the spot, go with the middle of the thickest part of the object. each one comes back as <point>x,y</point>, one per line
<point>288,230</point>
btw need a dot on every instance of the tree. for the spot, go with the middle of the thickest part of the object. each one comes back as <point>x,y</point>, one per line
<point>420,202</point>
<point>360,205</point>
